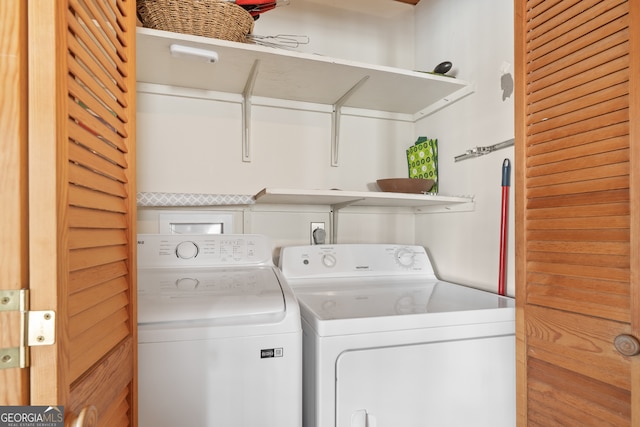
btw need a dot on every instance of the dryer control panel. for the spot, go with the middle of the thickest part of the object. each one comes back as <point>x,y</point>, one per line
<point>354,260</point>
<point>203,250</point>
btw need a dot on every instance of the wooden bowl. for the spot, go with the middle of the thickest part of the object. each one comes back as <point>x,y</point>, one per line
<point>405,185</point>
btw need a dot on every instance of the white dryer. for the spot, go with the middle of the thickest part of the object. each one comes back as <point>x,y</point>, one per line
<point>386,344</point>
<point>219,334</point>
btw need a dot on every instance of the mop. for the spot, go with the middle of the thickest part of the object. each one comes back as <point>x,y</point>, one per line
<point>504,223</point>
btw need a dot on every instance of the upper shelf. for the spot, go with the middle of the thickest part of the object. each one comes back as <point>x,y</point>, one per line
<point>361,198</point>
<point>288,75</point>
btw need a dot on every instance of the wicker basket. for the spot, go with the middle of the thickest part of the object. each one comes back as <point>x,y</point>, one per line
<point>208,18</point>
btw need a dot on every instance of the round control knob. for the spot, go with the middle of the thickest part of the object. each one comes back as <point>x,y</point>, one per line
<point>329,260</point>
<point>404,257</point>
<point>187,250</point>
<point>627,345</point>
<point>187,283</point>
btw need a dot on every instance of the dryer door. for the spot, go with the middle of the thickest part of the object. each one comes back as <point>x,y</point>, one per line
<point>466,382</point>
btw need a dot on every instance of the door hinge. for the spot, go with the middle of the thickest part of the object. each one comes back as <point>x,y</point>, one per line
<point>36,328</point>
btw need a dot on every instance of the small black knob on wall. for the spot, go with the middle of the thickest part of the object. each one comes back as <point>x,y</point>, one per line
<point>627,345</point>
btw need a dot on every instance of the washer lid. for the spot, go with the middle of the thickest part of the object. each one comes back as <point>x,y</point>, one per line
<point>175,295</point>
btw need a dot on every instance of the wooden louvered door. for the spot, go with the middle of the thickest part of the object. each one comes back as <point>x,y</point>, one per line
<point>577,212</point>
<point>81,175</point>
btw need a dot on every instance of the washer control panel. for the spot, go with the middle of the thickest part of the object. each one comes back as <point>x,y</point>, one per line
<point>203,250</point>
<point>349,260</point>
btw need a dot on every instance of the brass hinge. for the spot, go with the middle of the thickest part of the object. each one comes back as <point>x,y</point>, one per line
<point>36,328</point>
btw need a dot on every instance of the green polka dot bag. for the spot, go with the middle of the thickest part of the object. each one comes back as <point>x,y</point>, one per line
<point>422,159</point>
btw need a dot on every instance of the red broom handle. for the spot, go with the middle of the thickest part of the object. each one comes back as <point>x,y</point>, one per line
<point>504,224</point>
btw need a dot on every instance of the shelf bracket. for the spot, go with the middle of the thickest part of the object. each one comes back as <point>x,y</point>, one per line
<point>246,112</point>
<point>335,208</point>
<point>335,121</point>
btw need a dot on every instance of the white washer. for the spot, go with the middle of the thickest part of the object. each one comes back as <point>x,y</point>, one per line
<point>219,334</point>
<point>386,344</point>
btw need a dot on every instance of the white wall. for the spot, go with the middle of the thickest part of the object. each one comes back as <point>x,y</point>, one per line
<point>477,37</point>
<point>192,145</point>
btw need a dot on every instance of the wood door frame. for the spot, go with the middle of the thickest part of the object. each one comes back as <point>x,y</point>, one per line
<point>14,387</point>
<point>47,97</point>
<point>519,218</point>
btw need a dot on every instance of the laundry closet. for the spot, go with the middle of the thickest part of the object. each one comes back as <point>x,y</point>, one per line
<point>82,144</point>
<point>279,141</point>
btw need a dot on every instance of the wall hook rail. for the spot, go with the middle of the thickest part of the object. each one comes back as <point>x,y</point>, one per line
<point>479,151</point>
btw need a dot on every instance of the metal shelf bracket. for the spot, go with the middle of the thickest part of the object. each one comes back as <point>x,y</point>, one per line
<point>246,112</point>
<point>335,121</point>
<point>335,208</point>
